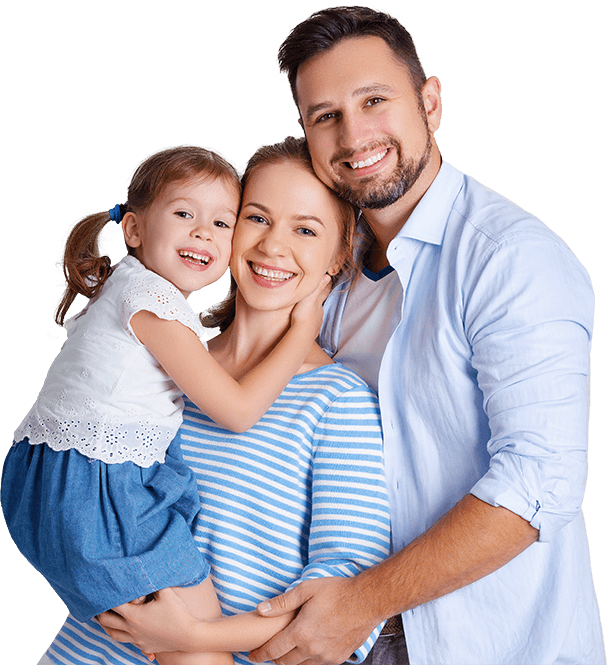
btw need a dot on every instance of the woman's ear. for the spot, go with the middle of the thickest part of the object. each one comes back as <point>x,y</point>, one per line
<point>130,228</point>
<point>337,265</point>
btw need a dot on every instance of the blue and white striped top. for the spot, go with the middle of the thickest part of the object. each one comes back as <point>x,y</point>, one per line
<point>300,495</point>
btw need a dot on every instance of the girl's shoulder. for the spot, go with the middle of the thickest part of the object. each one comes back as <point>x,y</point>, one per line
<point>136,288</point>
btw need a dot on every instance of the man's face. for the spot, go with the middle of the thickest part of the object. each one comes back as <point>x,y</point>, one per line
<point>365,124</point>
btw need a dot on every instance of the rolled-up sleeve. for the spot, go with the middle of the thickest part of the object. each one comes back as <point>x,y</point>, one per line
<point>529,321</point>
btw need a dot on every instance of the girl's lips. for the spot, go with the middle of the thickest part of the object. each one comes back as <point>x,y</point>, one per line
<point>195,259</point>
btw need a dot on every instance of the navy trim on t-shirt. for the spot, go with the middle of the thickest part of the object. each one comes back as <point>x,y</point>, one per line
<point>376,276</point>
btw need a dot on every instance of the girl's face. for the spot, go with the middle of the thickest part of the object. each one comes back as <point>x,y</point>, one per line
<point>185,236</point>
<point>287,237</point>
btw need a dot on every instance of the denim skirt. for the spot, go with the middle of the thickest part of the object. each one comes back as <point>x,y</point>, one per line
<point>102,534</point>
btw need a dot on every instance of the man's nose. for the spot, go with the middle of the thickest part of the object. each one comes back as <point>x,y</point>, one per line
<point>355,130</point>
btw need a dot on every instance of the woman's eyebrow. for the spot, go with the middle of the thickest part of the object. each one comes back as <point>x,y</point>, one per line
<point>299,218</point>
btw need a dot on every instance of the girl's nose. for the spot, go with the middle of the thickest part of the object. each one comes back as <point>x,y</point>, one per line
<point>202,231</point>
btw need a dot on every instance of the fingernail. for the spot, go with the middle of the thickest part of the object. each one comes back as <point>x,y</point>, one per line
<point>264,607</point>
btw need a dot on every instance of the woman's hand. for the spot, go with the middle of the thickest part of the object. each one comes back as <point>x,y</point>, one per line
<point>164,624</point>
<point>309,310</point>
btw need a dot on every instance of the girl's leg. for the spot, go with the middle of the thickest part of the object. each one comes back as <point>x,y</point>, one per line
<point>202,602</point>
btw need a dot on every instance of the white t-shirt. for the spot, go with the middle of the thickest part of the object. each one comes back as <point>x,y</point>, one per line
<point>370,317</point>
<point>105,394</point>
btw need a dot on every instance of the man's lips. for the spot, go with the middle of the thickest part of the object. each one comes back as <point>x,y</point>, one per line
<point>369,161</point>
<point>364,163</point>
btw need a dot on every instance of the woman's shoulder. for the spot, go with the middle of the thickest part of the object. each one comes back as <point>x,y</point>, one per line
<point>336,378</point>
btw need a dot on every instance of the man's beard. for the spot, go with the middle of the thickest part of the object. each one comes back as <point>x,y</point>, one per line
<point>377,195</point>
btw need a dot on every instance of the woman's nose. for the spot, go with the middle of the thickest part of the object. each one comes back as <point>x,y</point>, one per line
<point>273,242</point>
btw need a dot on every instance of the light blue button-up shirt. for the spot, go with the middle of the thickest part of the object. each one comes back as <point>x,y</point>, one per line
<point>483,389</point>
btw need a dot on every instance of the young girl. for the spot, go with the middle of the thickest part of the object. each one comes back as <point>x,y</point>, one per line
<point>92,493</point>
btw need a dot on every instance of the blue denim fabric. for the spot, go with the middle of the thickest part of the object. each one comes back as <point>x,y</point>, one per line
<point>102,534</point>
<point>388,650</point>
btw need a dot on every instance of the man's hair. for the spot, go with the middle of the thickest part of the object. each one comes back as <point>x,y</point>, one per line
<point>324,29</point>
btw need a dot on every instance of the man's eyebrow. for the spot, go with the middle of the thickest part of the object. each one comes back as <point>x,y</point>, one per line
<point>299,218</point>
<point>373,89</point>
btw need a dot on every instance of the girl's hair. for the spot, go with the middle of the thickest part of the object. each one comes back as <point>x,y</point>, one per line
<point>85,271</point>
<point>291,150</point>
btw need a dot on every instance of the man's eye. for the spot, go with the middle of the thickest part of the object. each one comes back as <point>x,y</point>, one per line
<point>326,116</point>
<point>374,101</point>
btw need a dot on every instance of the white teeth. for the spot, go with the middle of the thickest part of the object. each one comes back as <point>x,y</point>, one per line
<point>370,161</point>
<point>278,275</point>
<point>197,257</point>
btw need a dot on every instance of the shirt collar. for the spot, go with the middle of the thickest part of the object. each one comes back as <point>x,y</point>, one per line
<point>428,221</point>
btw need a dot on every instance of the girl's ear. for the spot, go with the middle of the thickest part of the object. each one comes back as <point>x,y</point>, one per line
<point>130,228</point>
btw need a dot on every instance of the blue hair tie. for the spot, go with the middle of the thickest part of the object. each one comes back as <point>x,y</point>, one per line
<point>116,213</point>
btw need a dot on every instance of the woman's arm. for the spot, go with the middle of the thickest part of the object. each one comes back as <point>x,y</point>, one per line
<point>235,405</point>
<point>165,624</point>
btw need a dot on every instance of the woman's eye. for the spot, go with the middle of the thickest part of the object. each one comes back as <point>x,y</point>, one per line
<point>258,219</point>
<point>304,231</point>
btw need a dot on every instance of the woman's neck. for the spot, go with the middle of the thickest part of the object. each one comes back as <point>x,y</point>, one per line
<point>251,337</point>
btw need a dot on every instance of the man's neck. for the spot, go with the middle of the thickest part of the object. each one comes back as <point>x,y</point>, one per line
<point>387,222</point>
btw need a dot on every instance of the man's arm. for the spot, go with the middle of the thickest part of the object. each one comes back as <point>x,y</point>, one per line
<point>471,541</point>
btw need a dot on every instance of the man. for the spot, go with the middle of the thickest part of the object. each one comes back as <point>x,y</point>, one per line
<point>473,321</point>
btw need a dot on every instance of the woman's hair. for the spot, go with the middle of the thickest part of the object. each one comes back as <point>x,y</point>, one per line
<point>324,29</point>
<point>291,150</point>
<point>85,271</point>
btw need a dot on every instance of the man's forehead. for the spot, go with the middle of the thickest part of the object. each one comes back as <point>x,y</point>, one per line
<point>358,65</point>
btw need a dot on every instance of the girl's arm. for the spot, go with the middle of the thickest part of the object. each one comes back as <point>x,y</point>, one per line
<point>165,624</point>
<point>235,405</point>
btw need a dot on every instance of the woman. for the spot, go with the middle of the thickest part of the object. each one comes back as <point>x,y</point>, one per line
<point>301,494</point>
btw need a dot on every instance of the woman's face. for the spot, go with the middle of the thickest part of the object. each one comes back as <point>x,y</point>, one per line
<point>287,237</point>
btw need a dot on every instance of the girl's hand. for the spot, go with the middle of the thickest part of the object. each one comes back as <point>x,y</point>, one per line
<point>309,311</point>
<point>163,624</point>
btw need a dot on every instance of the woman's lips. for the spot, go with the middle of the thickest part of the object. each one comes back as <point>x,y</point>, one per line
<point>270,274</point>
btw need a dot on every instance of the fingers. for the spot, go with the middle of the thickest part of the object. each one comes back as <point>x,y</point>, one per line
<point>286,602</point>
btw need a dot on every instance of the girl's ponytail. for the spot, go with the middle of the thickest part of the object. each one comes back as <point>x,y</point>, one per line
<point>85,271</point>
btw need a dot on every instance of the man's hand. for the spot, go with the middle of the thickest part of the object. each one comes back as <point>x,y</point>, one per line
<point>155,627</point>
<point>332,623</point>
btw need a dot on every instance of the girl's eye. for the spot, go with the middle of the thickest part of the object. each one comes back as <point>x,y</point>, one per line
<point>221,224</point>
<point>183,214</point>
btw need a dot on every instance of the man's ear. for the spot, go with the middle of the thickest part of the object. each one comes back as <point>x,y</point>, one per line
<point>432,102</point>
<point>130,228</point>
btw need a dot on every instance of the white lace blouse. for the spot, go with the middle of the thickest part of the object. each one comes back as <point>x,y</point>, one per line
<point>105,394</point>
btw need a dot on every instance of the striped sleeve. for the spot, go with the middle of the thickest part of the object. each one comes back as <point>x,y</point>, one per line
<point>350,523</point>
